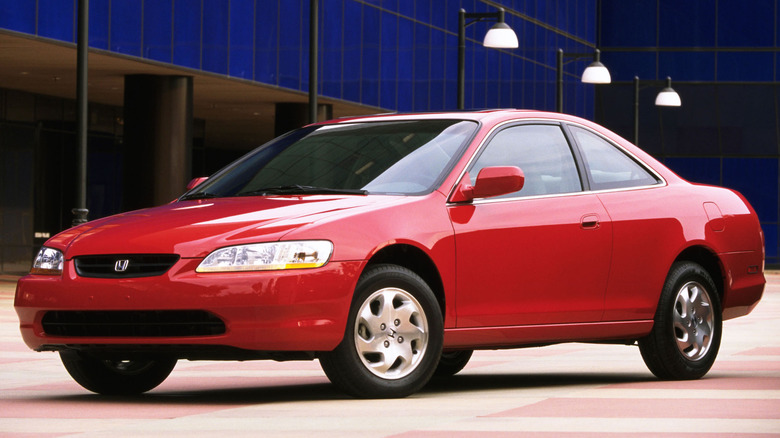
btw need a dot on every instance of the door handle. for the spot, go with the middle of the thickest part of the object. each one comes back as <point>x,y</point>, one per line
<point>590,222</point>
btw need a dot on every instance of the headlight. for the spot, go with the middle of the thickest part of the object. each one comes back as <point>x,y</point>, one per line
<point>268,256</point>
<point>48,262</point>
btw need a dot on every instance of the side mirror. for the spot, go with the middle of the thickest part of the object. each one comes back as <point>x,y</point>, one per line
<point>196,182</point>
<point>491,181</point>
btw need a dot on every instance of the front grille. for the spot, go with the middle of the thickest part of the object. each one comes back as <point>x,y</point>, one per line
<point>132,323</point>
<point>124,265</point>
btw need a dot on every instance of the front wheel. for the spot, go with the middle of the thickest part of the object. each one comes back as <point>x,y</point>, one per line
<point>116,377</point>
<point>452,362</point>
<point>393,338</point>
<point>687,330</point>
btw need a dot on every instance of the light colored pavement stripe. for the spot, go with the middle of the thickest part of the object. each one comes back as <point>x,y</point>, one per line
<point>375,427</point>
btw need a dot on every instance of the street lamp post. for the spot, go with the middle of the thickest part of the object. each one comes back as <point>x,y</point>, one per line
<point>80,212</point>
<point>500,36</point>
<point>595,73</point>
<point>666,97</point>
<point>313,43</point>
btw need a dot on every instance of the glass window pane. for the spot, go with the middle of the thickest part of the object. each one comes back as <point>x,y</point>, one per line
<point>186,36</point>
<point>745,66</point>
<point>742,24</point>
<point>18,16</point>
<point>242,14</point>
<point>56,19</point>
<point>687,24</point>
<point>98,24</point>
<point>697,170</point>
<point>405,157</point>
<point>158,17</point>
<point>540,151</point>
<point>215,36</point>
<point>687,66</point>
<point>608,166</point>
<point>126,18</point>
<point>756,179</point>
<point>629,24</point>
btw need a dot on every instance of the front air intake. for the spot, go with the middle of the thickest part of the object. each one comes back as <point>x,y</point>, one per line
<point>132,323</point>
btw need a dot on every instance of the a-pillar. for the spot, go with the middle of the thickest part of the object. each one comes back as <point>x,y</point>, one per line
<point>157,139</point>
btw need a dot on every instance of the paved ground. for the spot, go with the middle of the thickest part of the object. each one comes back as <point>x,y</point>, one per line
<point>564,390</point>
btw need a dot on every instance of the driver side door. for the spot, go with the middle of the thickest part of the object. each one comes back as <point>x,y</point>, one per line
<point>537,256</point>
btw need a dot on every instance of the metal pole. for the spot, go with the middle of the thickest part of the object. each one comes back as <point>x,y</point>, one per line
<point>461,58</point>
<point>636,110</point>
<point>313,43</point>
<point>559,89</point>
<point>80,212</point>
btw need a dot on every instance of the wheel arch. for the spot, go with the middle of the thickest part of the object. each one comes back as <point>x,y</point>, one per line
<point>415,259</point>
<point>708,260</point>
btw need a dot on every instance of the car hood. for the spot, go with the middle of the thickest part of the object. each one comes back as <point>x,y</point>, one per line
<point>195,228</point>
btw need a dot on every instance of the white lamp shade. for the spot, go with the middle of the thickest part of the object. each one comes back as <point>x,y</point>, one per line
<point>668,97</point>
<point>596,73</point>
<point>500,36</point>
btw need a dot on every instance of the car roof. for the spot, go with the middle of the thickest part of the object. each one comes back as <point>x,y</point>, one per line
<point>479,115</point>
<point>492,117</point>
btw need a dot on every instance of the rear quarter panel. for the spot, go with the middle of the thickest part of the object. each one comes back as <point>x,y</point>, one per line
<point>652,227</point>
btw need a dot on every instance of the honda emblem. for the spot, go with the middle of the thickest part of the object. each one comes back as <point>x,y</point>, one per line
<point>121,265</point>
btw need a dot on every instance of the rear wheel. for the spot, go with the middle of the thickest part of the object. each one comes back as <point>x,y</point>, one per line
<point>686,334</point>
<point>116,377</point>
<point>393,338</point>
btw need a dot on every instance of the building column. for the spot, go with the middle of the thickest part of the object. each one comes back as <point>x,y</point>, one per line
<point>291,115</point>
<point>157,139</point>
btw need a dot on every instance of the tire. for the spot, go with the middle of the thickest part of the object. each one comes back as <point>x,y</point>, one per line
<point>686,334</point>
<point>452,362</point>
<point>116,377</point>
<point>393,338</point>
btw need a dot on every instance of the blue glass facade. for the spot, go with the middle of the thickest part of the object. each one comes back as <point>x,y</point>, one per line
<point>401,55</point>
<point>722,56</point>
<point>388,54</point>
<point>374,56</point>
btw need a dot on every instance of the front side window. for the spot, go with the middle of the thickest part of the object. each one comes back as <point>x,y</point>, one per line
<point>404,157</point>
<point>540,151</point>
<point>608,166</point>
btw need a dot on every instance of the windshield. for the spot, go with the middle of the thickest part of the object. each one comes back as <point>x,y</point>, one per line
<point>405,157</point>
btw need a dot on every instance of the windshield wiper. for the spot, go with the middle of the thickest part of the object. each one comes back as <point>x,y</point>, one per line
<point>299,189</point>
<point>198,195</point>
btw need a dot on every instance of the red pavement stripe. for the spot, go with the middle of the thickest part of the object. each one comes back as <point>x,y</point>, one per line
<point>763,351</point>
<point>747,365</point>
<point>648,408</point>
<point>719,383</point>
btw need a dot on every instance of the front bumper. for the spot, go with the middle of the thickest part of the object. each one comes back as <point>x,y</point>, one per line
<point>296,310</point>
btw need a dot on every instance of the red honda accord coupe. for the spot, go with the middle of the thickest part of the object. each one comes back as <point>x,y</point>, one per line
<point>390,247</point>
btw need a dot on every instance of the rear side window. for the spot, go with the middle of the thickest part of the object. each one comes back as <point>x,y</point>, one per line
<point>540,151</point>
<point>609,167</point>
